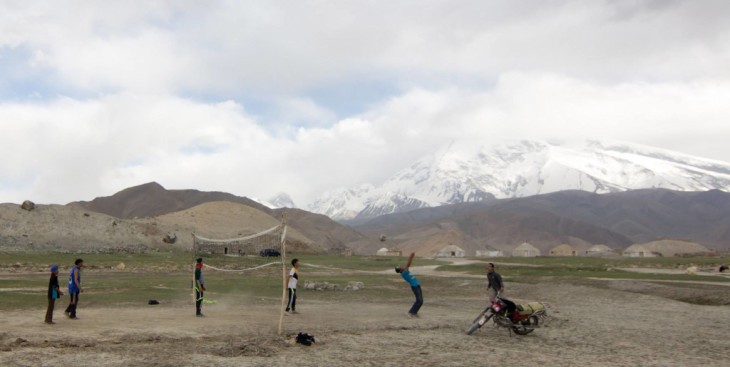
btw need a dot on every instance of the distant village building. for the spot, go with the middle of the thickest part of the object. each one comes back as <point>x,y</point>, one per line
<point>340,250</point>
<point>388,252</point>
<point>563,250</point>
<point>526,250</point>
<point>669,248</point>
<point>638,250</point>
<point>451,251</point>
<point>490,253</point>
<point>600,251</point>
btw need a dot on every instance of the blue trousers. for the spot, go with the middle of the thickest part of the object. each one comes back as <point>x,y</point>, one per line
<point>419,300</point>
<point>74,299</point>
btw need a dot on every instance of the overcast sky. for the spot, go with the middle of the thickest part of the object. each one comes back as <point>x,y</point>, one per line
<point>258,97</point>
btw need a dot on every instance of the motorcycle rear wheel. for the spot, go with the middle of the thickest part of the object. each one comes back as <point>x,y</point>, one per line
<point>526,326</point>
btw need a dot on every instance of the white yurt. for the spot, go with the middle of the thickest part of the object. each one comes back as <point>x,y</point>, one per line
<point>669,248</point>
<point>601,251</point>
<point>526,250</point>
<point>382,252</point>
<point>490,253</point>
<point>638,250</point>
<point>563,250</point>
<point>451,251</point>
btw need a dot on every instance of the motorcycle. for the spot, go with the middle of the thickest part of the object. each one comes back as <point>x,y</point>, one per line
<point>523,319</point>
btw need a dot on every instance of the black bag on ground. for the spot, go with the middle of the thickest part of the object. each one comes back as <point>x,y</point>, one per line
<point>306,339</point>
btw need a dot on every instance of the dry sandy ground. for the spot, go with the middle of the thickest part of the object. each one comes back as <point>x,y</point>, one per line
<point>589,327</point>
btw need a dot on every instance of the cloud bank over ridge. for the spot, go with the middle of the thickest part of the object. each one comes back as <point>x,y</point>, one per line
<point>256,98</point>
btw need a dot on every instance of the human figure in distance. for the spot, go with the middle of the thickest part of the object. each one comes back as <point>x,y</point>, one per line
<point>199,287</point>
<point>74,288</point>
<point>54,292</point>
<point>414,283</point>
<point>293,279</point>
<point>495,288</point>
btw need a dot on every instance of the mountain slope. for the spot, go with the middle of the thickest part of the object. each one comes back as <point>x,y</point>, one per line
<point>151,199</point>
<point>459,174</point>
<point>324,231</point>
<point>577,217</point>
<point>69,228</point>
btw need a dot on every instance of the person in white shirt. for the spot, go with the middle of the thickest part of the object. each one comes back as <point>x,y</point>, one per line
<point>293,278</point>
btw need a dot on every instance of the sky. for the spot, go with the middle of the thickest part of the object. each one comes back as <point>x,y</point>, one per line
<point>260,97</point>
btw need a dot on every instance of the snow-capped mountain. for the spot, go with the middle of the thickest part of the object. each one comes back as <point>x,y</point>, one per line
<point>459,173</point>
<point>343,203</point>
<point>282,200</point>
<point>389,203</point>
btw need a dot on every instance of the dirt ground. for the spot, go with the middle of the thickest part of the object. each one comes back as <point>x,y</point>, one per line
<point>589,326</point>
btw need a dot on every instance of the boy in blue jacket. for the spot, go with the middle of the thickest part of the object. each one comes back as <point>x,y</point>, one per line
<point>414,283</point>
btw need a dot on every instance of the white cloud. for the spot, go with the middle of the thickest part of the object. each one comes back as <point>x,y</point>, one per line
<point>651,72</point>
<point>304,112</point>
<point>275,47</point>
<point>71,150</point>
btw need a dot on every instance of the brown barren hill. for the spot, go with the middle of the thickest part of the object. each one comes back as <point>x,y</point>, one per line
<point>64,228</point>
<point>575,217</point>
<point>326,232</point>
<point>224,219</point>
<point>313,232</point>
<point>69,228</point>
<point>151,199</point>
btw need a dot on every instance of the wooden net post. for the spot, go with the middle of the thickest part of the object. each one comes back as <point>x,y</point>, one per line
<point>192,284</point>
<point>283,273</point>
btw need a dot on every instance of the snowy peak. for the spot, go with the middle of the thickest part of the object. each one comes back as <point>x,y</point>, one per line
<point>460,173</point>
<point>342,203</point>
<point>389,203</point>
<point>281,200</point>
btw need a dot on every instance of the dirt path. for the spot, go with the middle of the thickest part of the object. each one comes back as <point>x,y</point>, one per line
<point>590,327</point>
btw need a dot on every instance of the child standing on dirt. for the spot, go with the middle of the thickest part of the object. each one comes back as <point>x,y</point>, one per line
<point>199,287</point>
<point>54,292</point>
<point>74,288</point>
<point>414,283</point>
<point>293,279</point>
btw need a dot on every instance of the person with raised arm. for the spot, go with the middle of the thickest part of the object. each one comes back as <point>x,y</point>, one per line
<point>405,272</point>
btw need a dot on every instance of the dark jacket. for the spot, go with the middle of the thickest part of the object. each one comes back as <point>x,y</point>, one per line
<point>495,281</point>
<point>53,286</point>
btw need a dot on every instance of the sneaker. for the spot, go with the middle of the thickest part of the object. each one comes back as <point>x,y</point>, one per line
<point>293,311</point>
<point>73,317</point>
<point>68,314</point>
<point>413,315</point>
<point>200,315</point>
<point>50,322</point>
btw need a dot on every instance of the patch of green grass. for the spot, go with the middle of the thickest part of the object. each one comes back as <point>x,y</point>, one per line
<point>623,262</point>
<point>65,260</point>
<point>167,277</point>
<point>371,263</point>
<point>522,269</point>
